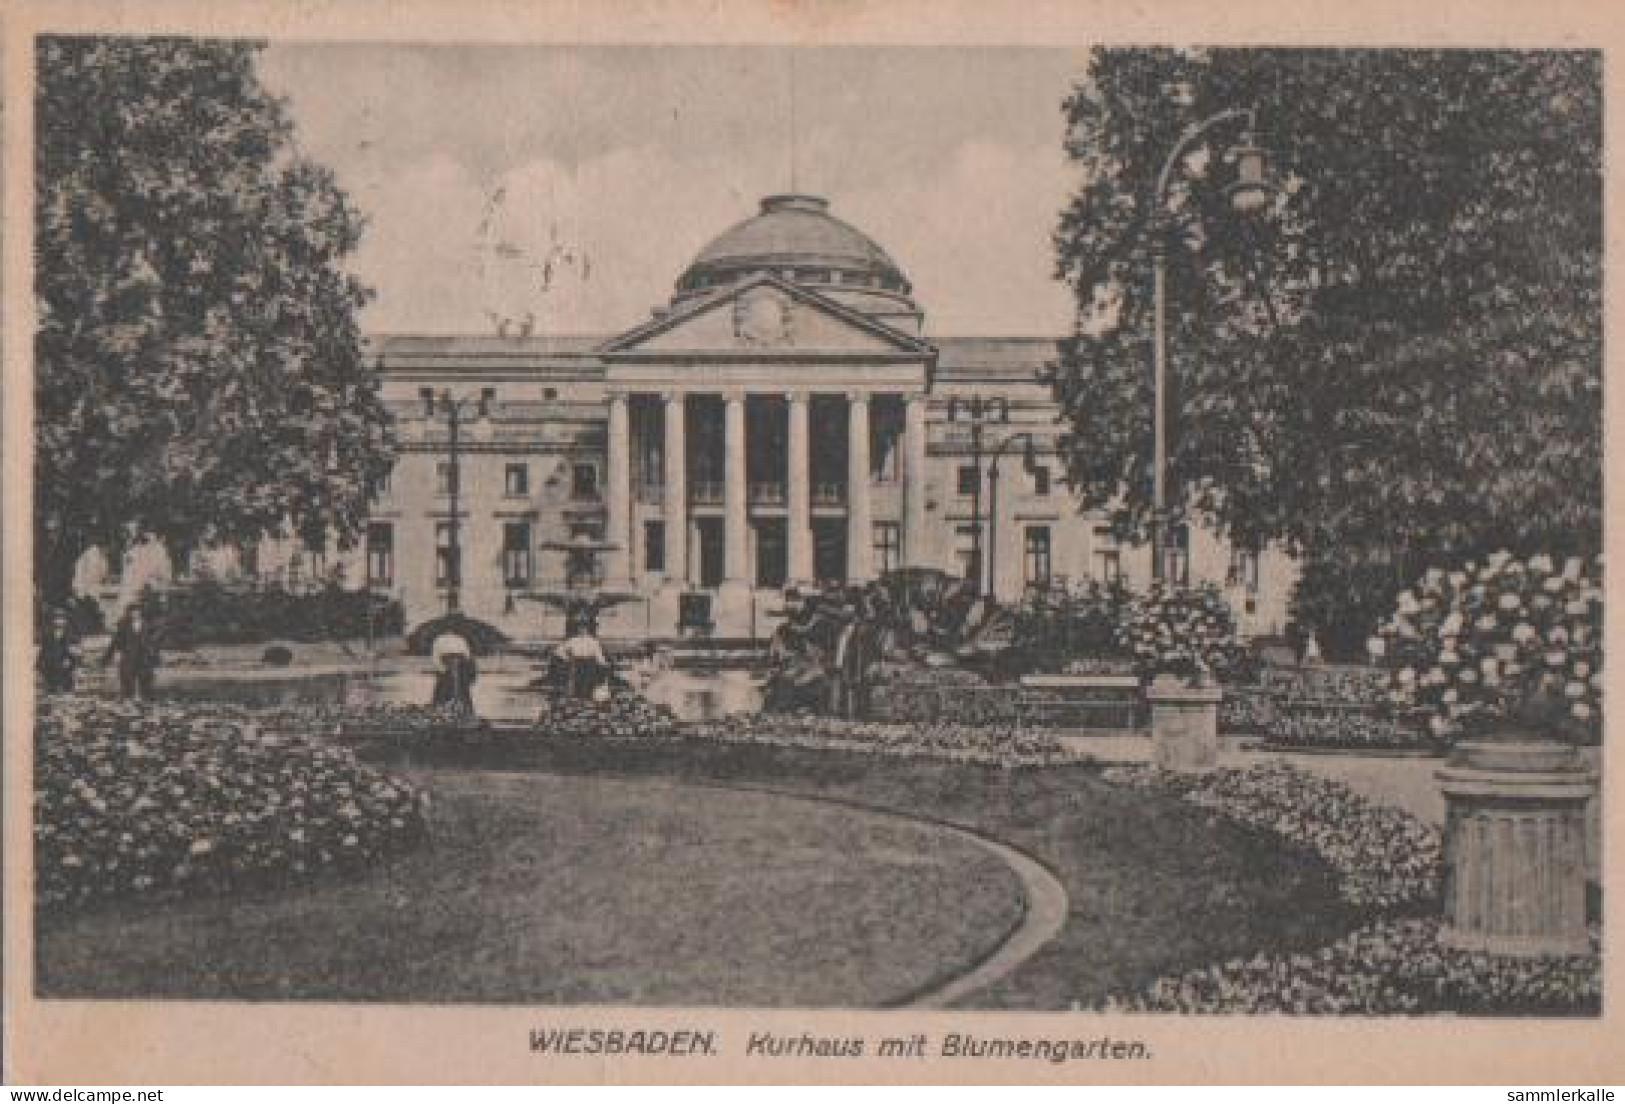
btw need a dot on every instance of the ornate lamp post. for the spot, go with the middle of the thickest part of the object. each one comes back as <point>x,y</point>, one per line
<point>1028,461</point>
<point>1247,193</point>
<point>978,411</point>
<point>454,408</point>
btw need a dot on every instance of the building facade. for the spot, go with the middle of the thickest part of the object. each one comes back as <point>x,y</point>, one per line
<point>784,419</point>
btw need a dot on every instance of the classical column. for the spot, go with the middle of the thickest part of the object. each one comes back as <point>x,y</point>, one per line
<point>798,524</point>
<point>859,519</point>
<point>915,547</point>
<point>618,492</point>
<point>735,545</point>
<point>674,496</point>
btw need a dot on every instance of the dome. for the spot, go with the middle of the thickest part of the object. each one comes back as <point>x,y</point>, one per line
<point>797,239</point>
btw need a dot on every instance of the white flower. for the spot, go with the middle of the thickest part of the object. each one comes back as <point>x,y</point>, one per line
<point>1451,625</point>
<point>1407,603</point>
<point>1555,659</point>
<point>1580,711</point>
<point>1541,563</point>
<point>1581,669</point>
<point>1557,635</point>
<point>1489,665</point>
<point>1553,584</point>
<point>1376,646</point>
<point>1575,690</point>
<point>1450,696</point>
<point>1523,632</point>
<point>1509,602</point>
<point>1407,676</point>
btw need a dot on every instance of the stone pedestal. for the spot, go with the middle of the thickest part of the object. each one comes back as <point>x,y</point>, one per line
<point>1184,725</point>
<point>1515,848</point>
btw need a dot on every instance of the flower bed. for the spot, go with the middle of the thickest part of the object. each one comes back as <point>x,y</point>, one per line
<point>1320,728</point>
<point>1384,858</point>
<point>134,800</point>
<point>1390,967</point>
<point>625,715</point>
<point>1007,745</point>
<point>1245,711</point>
<point>1347,685</point>
<point>932,702</point>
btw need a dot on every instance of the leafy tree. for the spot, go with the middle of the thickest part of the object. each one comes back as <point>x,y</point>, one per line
<point>200,371</point>
<point>1400,361</point>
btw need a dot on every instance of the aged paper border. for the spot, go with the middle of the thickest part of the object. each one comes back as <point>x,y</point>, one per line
<point>82,1042</point>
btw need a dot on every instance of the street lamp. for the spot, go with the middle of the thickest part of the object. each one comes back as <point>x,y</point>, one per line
<point>454,408</point>
<point>1029,461</point>
<point>978,411</point>
<point>1247,193</point>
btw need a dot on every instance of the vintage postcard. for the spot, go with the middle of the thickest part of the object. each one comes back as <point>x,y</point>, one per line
<point>816,541</point>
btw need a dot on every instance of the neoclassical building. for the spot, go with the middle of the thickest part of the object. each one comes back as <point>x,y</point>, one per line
<point>786,418</point>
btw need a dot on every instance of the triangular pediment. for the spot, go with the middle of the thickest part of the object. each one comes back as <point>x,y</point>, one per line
<point>765,316</point>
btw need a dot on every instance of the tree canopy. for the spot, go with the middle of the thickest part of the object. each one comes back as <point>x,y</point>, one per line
<point>200,369</point>
<point>1400,357</point>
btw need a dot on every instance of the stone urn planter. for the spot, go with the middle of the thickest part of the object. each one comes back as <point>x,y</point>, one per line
<point>1515,846</point>
<point>1184,724</point>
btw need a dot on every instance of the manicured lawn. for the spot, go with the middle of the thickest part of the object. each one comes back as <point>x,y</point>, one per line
<point>620,873</point>
<point>548,889</point>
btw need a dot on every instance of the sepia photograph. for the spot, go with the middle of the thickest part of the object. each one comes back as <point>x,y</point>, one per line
<point>1098,529</point>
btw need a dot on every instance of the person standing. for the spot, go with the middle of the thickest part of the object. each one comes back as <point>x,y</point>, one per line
<point>58,659</point>
<point>136,645</point>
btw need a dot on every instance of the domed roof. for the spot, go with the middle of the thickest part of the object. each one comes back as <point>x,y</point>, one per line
<point>796,237</point>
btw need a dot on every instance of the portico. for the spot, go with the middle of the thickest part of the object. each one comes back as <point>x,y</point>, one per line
<point>755,488</point>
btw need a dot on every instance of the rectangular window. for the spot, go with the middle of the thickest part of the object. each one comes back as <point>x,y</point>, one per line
<point>654,546</point>
<point>447,569</point>
<point>1041,480</point>
<point>1176,557</point>
<point>380,554</point>
<point>888,546</point>
<point>584,482</point>
<point>516,557</point>
<point>381,486</point>
<point>582,568</point>
<point>1108,558</point>
<point>970,478</point>
<point>885,442</point>
<point>1243,569</point>
<point>1108,565</point>
<point>516,480</point>
<point>968,552</point>
<point>1036,554</point>
<point>446,478</point>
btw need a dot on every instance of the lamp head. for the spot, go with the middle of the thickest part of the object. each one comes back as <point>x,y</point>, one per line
<point>1250,191</point>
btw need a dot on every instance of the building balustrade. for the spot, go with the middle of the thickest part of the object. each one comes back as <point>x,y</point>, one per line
<point>705,492</point>
<point>767,494</point>
<point>829,494</point>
